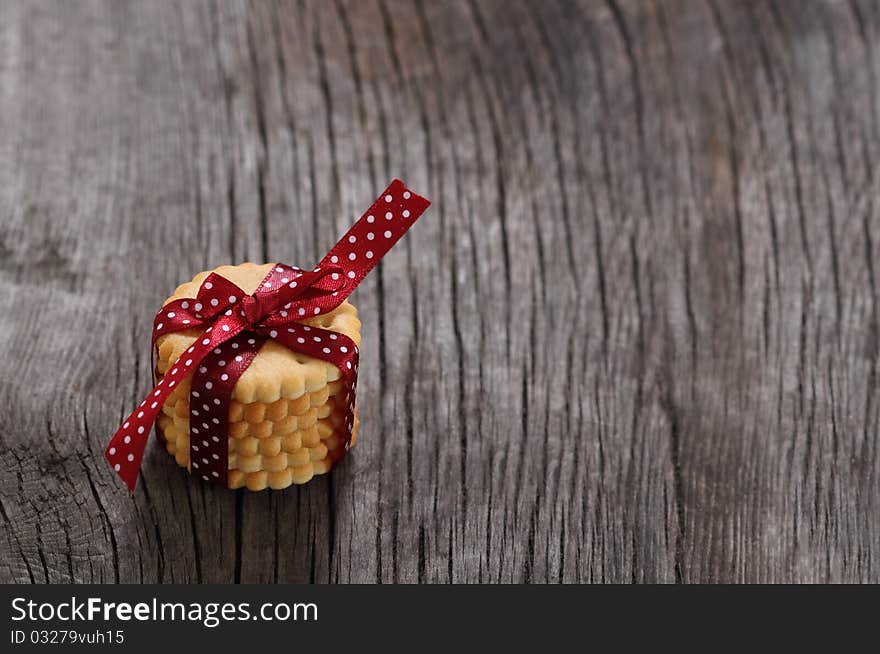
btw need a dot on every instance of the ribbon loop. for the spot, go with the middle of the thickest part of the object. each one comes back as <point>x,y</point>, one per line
<point>303,292</point>
<point>215,295</point>
<point>238,324</point>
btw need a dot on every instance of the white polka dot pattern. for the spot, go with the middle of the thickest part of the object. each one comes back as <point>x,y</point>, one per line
<point>238,324</point>
<point>210,394</point>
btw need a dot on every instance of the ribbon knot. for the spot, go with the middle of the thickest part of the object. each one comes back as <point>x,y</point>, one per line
<point>236,325</point>
<point>251,310</point>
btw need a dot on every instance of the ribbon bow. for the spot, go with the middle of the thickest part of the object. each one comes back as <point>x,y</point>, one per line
<point>237,325</point>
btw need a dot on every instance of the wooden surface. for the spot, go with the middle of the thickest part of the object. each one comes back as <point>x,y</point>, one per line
<point>634,339</point>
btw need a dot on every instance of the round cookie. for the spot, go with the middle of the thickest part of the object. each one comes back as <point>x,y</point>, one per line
<point>287,414</point>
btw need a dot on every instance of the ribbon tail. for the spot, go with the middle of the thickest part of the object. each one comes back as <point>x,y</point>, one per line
<point>126,449</point>
<point>374,234</point>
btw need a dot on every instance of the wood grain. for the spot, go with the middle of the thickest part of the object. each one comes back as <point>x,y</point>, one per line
<point>634,340</point>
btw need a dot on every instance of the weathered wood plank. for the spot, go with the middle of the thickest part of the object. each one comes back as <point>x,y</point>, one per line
<point>633,340</point>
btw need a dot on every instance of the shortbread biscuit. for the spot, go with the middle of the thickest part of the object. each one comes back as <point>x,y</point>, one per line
<point>287,413</point>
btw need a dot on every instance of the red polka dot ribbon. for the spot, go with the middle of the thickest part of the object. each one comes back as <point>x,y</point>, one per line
<point>237,325</point>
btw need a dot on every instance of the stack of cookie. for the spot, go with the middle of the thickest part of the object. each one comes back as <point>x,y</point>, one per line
<point>287,411</point>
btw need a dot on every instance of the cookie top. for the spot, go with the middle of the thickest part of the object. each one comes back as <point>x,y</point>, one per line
<point>276,371</point>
